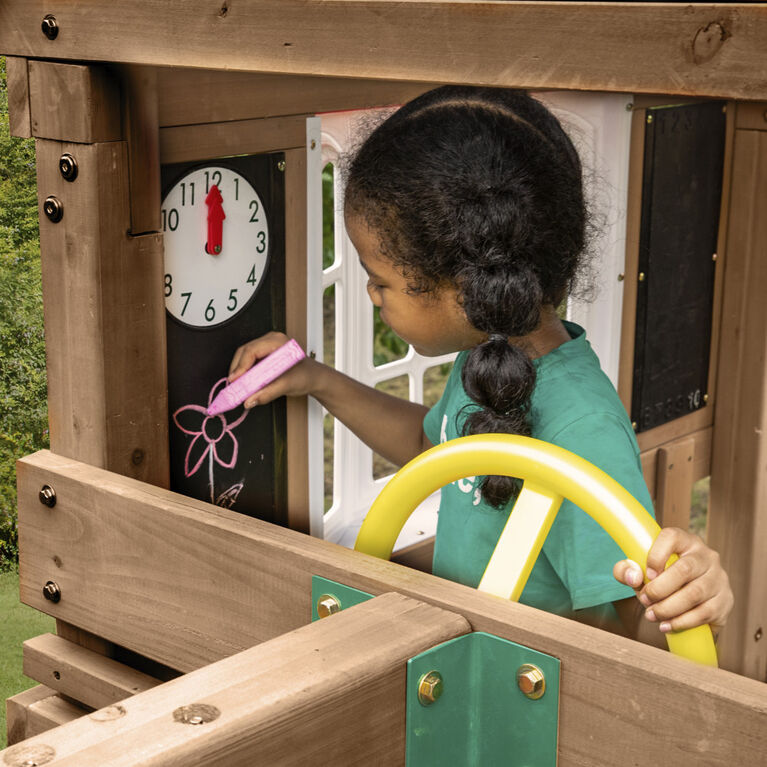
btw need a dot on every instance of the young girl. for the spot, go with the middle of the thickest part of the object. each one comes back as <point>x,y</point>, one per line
<point>466,209</point>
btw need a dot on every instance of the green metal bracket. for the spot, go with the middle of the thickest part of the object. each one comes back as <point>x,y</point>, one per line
<point>479,715</point>
<point>345,596</point>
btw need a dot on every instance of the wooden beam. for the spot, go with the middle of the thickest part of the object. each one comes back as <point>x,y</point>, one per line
<point>104,317</point>
<point>17,78</point>
<point>37,710</point>
<point>194,96</point>
<point>141,129</point>
<point>71,102</point>
<point>678,48</point>
<point>674,484</point>
<point>333,692</point>
<point>738,519</point>
<point>81,674</point>
<point>189,583</point>
<point>202,142</point>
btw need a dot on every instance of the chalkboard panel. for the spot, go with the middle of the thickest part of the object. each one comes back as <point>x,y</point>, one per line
<point>681,195</point>
<point>236,460</point>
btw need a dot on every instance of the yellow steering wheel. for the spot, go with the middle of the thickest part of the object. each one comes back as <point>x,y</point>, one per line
<point>550,473</point>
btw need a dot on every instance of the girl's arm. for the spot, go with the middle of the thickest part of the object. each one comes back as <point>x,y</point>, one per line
<point>391,426</point>
<point>692,591</point>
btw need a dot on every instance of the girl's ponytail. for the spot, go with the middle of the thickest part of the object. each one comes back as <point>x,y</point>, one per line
<point>498,375</point>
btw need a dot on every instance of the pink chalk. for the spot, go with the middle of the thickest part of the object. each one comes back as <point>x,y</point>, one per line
<point>262,373</point>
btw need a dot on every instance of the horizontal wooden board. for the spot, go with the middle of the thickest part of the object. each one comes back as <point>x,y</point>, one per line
<point>676,48</point>
<point>194,96</point>
<point>81,674</point>
<point>201,142</point>
<point>330,693</point>
<point>188,583</point>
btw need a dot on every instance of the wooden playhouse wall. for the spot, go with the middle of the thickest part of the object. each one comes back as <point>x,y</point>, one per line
<point>127,86</point>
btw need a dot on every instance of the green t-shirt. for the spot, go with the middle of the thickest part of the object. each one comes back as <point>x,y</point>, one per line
<point>575,406</point>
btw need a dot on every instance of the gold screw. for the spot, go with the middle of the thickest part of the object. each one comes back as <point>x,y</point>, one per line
<point>531,681</point>
<point>281,165</point>
<point>705,397</point>
<point>327,604</point>
<point>430,688</point>
<point>641,276</point>
<point>649,119</point>
<point>621,277</point>
<point>634,425</point>
<point>714,256</point>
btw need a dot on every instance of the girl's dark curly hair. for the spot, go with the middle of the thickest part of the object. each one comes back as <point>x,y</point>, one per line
<point>480,188</point>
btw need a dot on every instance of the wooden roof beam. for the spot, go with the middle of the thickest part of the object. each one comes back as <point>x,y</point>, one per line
<point>713,50</point>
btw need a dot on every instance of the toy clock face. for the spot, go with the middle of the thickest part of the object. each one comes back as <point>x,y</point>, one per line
<point>216,245</point>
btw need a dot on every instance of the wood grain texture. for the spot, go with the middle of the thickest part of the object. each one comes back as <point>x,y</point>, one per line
<point>685,49</point>
<point>81,674</point>
<point>738,524</point>
<point>104,317</point>
<point>330,693</point>
<point>202,142</point>
<point>194,96</point>
<point>72,102</point>
<point>674,484</point>
<point>752,116</point>
<point>17,78</point>
<point>219,583</point>
<point>141,125</point>
<point>37,710</point>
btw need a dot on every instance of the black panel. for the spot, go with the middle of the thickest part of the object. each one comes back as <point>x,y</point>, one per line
<point>198,357</point>
<point>681,194</point>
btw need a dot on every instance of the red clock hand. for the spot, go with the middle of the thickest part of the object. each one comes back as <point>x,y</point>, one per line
<point>216,218</point>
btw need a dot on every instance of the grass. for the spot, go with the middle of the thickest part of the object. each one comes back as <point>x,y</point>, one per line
<point>18,622</point>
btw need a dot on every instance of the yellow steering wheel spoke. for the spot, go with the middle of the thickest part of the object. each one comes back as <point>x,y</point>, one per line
<point>550,473</point>
<point>520,543</point>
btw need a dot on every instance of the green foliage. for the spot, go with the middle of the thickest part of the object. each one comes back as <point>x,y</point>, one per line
<point>23,410</point>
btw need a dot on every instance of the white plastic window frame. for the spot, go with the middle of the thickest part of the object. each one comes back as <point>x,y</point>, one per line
<point>600,126</point>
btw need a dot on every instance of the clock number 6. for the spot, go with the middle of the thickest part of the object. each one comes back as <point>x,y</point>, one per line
<point>210,312</point>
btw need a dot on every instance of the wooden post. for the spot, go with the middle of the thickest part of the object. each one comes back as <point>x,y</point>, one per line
<point>738,522</point>
<point>102,289</point>
<point>332,692</point>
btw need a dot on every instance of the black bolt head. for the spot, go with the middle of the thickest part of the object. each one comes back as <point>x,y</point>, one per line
<point>50,27</point>
<point>48,496</point>
<point>52,592</point>
<point>53,209</point>
<point>68,167</point>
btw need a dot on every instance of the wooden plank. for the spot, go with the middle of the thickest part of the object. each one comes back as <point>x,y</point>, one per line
<point>16,711</point>
<point>295,326</point>
<point>81,674</point>
<point>140,109</point>
<point>752,116</point>
<point>17,78</point>
<point>688,49</point>
<point>220,582</point>
<point>674,484</point>
<point>194,96</point>
<point>738,520</point>
<point>418,555</point>
<point>701,464</point>
<point>104,317</point>
<point>338,687</point>
<point>71,102</point>
<point>201,142</point>
<point>37,710</point>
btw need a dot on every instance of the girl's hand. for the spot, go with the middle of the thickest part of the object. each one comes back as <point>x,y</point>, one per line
<point>294,382</point>
<point>694,590</point>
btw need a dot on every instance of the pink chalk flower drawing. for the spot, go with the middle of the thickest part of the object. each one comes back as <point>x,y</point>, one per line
<point>212,438</point>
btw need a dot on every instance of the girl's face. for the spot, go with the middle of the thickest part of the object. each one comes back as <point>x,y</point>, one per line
<point>432,323</point>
